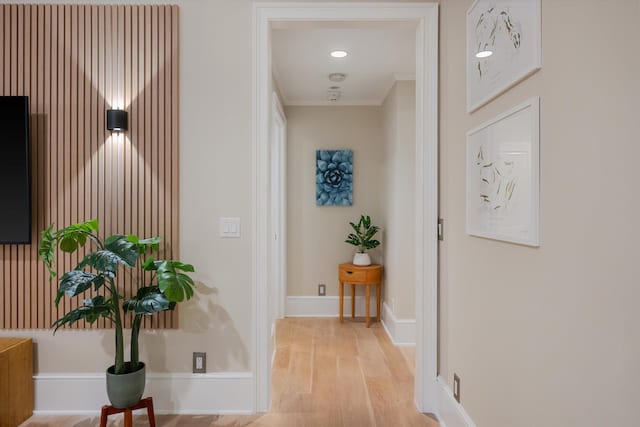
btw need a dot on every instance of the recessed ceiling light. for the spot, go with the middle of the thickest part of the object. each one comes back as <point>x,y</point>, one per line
<point>484,54</point>
<point>339,53</point>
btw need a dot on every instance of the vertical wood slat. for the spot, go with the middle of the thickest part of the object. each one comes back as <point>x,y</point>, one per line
<point>30,288</point>
<point>74,62</point>
<point>21,308</point>
<point>2,249</point>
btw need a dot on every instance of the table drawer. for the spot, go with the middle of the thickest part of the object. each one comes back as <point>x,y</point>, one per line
<point>351,275</point>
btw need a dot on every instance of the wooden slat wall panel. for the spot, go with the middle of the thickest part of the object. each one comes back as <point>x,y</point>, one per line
<point>75,62</point>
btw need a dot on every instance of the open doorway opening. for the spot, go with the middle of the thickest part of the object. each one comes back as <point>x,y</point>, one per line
<point>422,18</point>
<point>349,96</point>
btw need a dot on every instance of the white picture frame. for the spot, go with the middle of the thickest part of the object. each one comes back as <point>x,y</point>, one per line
<point>503,176</point>
<point>511,30</point>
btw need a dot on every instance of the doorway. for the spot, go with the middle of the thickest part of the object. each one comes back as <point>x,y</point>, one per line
<point>425,15</point>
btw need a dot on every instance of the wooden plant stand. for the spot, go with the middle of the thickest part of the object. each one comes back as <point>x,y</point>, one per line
<point>128,416</point>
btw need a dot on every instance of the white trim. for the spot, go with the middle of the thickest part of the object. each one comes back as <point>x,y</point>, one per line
<point>426,252</point>
<point>426,16</point>
<point>276,82</point>
<point>278,202</point>
<point>401,332</point>
<point>212,393</point>
<point>327,306</point>
<point>451,413</point>
<point>396,77</point>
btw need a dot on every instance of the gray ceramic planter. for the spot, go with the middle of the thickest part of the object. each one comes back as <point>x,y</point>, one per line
<point>125,390</point>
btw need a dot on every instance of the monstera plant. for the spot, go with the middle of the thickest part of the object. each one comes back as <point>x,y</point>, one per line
<point>168,284</point>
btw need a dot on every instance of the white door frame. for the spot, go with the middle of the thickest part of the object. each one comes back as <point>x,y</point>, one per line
<point>279,205</point>
<point>426,16</point>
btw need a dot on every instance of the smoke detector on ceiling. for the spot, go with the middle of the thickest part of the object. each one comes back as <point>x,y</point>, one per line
<point>333,95</point>
<point>337,77</point>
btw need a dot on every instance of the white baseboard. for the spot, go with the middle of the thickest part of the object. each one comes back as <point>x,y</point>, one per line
<point>329,306</point>
<point>213,393</point>
<point>451,413</point>
<point>400,331</point>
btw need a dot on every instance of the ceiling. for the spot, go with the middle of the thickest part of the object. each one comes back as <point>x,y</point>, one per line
<point>379,54</point>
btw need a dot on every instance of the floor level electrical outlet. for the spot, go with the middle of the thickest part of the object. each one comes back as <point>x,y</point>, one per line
<point>199,363</point>
<point>456,387</point>
<point>322,290</point>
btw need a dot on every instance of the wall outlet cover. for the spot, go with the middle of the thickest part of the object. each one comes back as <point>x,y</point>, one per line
<point>199,362</point>
<point>322,290</point>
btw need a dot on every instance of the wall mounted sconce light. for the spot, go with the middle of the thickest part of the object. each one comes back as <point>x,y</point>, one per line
<point>117,120</point>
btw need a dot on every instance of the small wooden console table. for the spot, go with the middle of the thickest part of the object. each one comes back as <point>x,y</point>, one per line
<point>360,275</point>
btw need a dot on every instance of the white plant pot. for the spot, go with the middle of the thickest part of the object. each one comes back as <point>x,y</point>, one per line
<point>361,259</point>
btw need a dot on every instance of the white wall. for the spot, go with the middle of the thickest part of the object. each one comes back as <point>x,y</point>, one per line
<point>399,127</point>
<point>550,336</point>
<point>316,234</point>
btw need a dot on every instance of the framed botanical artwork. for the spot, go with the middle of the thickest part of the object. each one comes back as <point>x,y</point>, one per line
<point>334,177</point>
<point>503,47</point>
<point>503,175</point>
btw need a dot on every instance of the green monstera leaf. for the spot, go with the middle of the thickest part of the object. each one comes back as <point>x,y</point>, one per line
<point>117,250</point>
<point>143,245</point>
<point>173,283</point>
<point>126,251</point>
<point>76,282</point>
<point>148,300</point>
<point>69,239</point>
<point>92,310</point>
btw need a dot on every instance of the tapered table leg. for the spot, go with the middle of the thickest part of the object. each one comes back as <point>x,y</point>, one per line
<point>366,302</point>
<point>353,300</point>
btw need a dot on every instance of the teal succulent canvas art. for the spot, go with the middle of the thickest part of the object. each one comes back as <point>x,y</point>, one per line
<point>334,177</point>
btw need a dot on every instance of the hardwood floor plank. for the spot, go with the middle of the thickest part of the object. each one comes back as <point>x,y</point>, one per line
<point>352,394</point>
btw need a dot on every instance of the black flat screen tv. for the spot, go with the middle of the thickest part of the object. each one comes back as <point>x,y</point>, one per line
<point>15,187</point>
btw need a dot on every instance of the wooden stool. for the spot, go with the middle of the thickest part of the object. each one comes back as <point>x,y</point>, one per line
<point>128,416</point>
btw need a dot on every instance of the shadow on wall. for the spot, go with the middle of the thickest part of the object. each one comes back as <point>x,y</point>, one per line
<point>204,326</point>
<point>216,324</point>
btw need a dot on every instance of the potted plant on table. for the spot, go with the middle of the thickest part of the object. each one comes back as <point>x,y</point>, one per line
<point>362,238</point>
<point>168,285</point>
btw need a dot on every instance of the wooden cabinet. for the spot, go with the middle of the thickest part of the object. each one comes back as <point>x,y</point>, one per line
<point>370,275</point>
<point>16,381</point>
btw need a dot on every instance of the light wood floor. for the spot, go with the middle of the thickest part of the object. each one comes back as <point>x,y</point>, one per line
<point>325,374</point>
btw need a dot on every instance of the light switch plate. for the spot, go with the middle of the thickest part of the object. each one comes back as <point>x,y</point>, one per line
<point>230,227</point>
